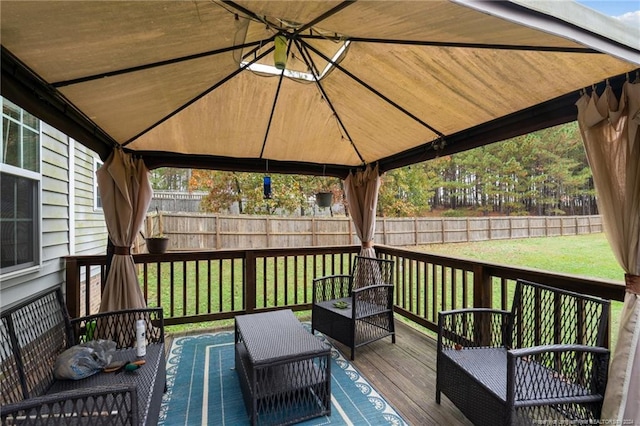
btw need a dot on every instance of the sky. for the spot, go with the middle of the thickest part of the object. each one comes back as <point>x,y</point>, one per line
<point>627,11</point>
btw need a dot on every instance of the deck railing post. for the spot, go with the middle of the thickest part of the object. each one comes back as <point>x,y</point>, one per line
<point>72,287</point>
<point>482,291</point>
<point>482,298</point>
<point>250,280</point>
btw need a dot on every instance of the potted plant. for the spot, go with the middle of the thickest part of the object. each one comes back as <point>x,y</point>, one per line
<point>324,198</point>
<point>157,243</point>
<point>324,194</point>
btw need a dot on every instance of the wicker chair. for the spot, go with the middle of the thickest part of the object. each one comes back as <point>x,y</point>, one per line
<point>355,309</point>
<point>543,361</point>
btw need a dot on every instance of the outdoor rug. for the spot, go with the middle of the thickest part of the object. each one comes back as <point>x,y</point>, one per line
<point>203,388</point>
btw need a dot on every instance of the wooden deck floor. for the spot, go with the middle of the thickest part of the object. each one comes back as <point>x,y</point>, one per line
<point>405,373</point>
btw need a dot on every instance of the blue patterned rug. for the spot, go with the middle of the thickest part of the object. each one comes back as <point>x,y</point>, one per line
<point>203,388</point>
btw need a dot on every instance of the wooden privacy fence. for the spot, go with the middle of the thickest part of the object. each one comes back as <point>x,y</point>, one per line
<point>207,231</point>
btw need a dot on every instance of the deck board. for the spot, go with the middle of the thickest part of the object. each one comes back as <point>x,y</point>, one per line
<point>405,373</point>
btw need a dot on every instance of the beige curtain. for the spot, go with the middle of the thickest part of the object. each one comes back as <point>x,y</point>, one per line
<point>126,193</point>
<point>609,130</point>
<point>361,191</point>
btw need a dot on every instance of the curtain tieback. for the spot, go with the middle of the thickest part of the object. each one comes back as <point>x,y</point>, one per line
<point>367,244</point>
<point>633,283</point>
<point>123,251</point>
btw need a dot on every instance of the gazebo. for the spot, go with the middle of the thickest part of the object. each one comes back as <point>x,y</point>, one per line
<point>335,88</point>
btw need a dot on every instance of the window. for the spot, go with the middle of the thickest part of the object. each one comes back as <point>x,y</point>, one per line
<point>97,201</point>
<point>19,189</point>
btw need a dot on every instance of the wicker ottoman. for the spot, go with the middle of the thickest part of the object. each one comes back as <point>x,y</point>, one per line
<point>284,371</point>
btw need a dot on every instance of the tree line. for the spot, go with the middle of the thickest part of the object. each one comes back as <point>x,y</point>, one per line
<point>541,173</point>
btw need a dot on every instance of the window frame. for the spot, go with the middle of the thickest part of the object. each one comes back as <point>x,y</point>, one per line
<point>36,178</point>
<point>97,201</point>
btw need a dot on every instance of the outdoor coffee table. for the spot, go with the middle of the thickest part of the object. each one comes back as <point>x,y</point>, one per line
<point>284,370</point>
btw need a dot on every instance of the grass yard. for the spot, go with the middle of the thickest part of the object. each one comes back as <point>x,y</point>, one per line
<point>586,255</point>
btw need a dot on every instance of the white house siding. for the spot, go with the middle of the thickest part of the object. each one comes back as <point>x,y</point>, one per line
<point>90,228</point>
<point>55,195</point>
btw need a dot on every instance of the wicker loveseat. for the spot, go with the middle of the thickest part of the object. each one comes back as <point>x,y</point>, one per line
<point>33,334</point>
<point>355,309</point>
<point>540,362</point>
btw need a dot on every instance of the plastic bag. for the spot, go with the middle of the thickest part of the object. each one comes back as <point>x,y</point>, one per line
<point>84,360</point>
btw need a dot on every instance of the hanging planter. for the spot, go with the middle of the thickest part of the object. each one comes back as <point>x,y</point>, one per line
<point>324,199</point>
<point>158,242</point>
<point>157,245</point>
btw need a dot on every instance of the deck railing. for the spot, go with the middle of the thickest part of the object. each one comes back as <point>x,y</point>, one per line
<point>214,285</point>
<point>427,284</point>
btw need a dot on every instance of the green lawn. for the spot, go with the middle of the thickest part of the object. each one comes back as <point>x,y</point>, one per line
<point>586,255</point>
